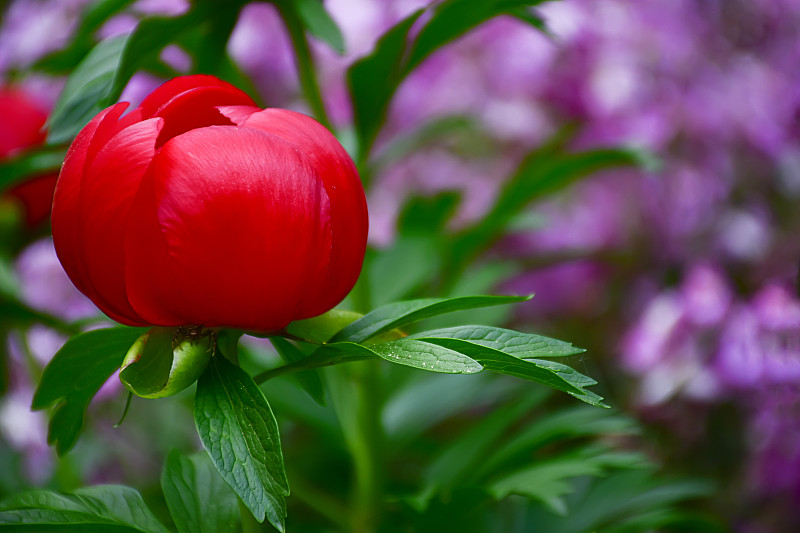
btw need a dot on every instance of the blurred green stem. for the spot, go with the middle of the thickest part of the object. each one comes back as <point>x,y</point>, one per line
<point>357,396</point>
<point>305,63</point>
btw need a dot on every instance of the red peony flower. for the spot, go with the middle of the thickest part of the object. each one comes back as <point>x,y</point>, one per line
<point>21,128</point>
<point>199,208</point>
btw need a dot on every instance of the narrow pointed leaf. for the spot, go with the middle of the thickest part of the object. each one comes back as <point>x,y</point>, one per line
<point>319,22</point>
<point>399,314</point>
<point>516,343</point>
<point>548,373</point>
<point>240,434</point>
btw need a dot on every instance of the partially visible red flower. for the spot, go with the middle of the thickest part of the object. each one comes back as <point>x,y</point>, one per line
<point>199,208</point>
<point>21,127</point>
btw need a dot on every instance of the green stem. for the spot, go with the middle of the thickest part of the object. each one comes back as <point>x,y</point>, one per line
<point>305,62</point>
<point>357,397</point>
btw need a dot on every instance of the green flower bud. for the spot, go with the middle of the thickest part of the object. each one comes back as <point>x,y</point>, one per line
<point>164,361</point>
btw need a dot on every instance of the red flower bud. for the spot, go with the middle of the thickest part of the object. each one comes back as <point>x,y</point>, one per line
<point>21,127</point>
<point>199,208</point>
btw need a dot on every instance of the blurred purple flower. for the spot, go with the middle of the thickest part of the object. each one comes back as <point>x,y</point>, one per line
<point>45,285</point>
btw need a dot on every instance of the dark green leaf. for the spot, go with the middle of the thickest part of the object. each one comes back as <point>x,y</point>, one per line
<point>401,314</point>
<point>309,379</point>
<point>453,18</point>
<point>548,373</point>
<point>317,20</point>
<point>518,344</point>
<point>63,60</point>
<point>465,454</point>
<point>75,374</point>
<point>102,508</point>
<point>198,499</point>
<point>395,272</point>
<point>374,78</point>
<point>87,91</point>
<point>422,355</point>
<point>240,434</point>
<point>561,426</point>
<point>30,164</point>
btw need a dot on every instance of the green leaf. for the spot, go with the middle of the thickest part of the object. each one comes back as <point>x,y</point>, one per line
<point>102,508</point>
<point>399,314</point>
<point>317,20</point>
<point>374,78</point>
<point>198,499</point>
<point>321,328</point>
<point>240,434</point>
<point>464,454</point>
<point>518,344</point>
<point>94,15</point>
<point>75,374</point>
<point>309,380</point>
<point>452,19</point>
<point>561,426</point>
<point>30,163</point>
<point>548,373</point>
<point>395,272</point>
<point>409,352</point>
<point>87,91</point>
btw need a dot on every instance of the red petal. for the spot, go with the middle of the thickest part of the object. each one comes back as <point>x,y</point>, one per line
<point>197,108</point>
<point>22,122</point>
<point>109,186</point>
<point>230,236</point>
<point>237,113</point>
<point>343,186</point>
<point>66,213</point>
<point>167,91</point>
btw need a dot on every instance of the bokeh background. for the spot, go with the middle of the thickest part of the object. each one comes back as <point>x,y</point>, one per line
<point>678,274</point>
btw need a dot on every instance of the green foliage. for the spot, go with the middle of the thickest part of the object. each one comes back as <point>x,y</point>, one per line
<point>320,24</point>
<point>239,431</point>
<point>374,79</point>
<point>102,508</point>
<point>198,499</point>
<point>400,314</point>
<point>73,377</point>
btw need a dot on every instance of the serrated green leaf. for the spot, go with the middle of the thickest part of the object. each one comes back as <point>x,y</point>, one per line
<point>516,343</point>
<point>240,434</point>
<point>198,499</point>
<point>75,374</point>
<point>87,91</point>
<point>399,314</point>
<point>100,508</point>
<point>309,379</point>
<point>317,20</point>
